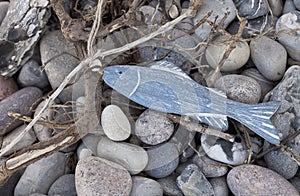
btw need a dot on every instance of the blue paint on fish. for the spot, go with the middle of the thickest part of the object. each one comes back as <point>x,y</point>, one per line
<point>166,88</point>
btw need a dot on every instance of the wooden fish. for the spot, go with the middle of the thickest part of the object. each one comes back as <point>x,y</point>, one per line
<point>165,87</point>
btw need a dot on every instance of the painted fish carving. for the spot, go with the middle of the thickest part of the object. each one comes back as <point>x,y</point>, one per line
<point>165,87</point>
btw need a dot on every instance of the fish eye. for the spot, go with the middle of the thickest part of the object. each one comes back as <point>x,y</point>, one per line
<point>119,72</point>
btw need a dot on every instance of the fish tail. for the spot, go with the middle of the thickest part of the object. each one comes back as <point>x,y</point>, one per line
<point>257,118</point>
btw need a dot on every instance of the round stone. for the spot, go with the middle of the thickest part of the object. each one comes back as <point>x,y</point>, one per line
<point>219,185</point>
<point>153,127</point>
<point>163,160</point>
<point>97,176</point>
<point>116,125</point>
<point>133,158</point>
<point>237,58</point>
<point>209,167</point>
<point>240,88</point>
<point>272,67</point>
<point>248,179</point>
<point>142,186</point>
<point>64,185</point>
<point>7,87</point>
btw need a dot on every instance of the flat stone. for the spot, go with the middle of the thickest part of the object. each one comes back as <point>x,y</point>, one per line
<point>163,160</point>
<point>192,182</point>
<point>169,185</point>
<point>27,139</point>
<point>239,88</point>
<point>8,86</point>
<point>133,158</point>
<point>3,10</point>
<point>251,9</point>
<point>237,58</point>
<point>247,180</point>
<point>286,24</point>
<point>19,102</point>
<point>39,176</point>
<point>272,67</point>
<point>153,127</point>
<point>58,68</point>
<point>97,176</point>
<point>220,186</point>
<point>209,167</point>
<point>64,185</point>
<point>142,186</point>
<point>116,125</point>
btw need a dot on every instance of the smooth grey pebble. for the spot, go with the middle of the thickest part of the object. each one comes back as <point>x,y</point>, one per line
<point>276,7</point>
<point>219,185</point>
<point>297,4</point>
<point>289,6</point>
<point>251,9</point>
<point>142,186</point>
<point>169,185</point>
<point>296,183</point>
<point>64,185</point>
<point>210,168</point>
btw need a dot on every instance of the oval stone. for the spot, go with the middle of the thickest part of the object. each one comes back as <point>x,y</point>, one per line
<point>257,180</point>
<point>97,176</point>
<point>142,186</point>
<point>133,158</point>
<point>116,125</point>
<point>7,87</point>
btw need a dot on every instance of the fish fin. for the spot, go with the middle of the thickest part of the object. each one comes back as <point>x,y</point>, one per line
<point>218,91</point>
<point>169,67</point>
<point>257,118</point>
<point>219,122</point>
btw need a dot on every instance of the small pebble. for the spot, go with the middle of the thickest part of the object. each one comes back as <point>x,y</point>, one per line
<point>19,102</point>
<point>209,167</point>
<point>169,185</point>
<point>163,160</point>
<point>289,6</point>
<point>297,4</point>
<point>116,125</point>
<point>251,9</point>
<point>192,182</point>
<point>220,186</point>
<point>153,127</point>
<point>32,74</point>
<point>133,158</point>
<point>276,7</point>
<point>64,185</point>
<point>296,183</point>
<point>97,176</point>
<point>274,66</point>
<point>39,176</point>
<point>3,10</point>
<point>239,88</point>
<point>8,86</point>
<point>142,186</point>
<point>8,187</point>
<point>248,179</point>
<point>91,142</point>
<point>83,152</point>
<point>237,58</point>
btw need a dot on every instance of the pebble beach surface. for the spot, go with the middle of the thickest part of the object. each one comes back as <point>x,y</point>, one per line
<point>142,152</point>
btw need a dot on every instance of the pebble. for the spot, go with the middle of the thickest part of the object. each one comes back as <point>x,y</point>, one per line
<point>274,66</point>
<point>27,139</point>
<point>97,176</point>
<point>57,69</point>
<point>289,6</point>
<point>237,58</point>
<point>43,132</point>
<point>276,7</point>
<point>82,152</point>
<point>239,88</point>
<point>3,10</point>
<point>224,151</point>
<point>220,9</point>
<point>220,186</point>
<point>133,158</point>
<point>209,167</point>
<point>39,176</point>
<point>169,185</point>
<point>91,142</point>
<point>32,74</point>
<point>19,102</point>
<point>153,127</point>
<point>116,125</point>
<point>251,9</point>
<point>265,84</point>
<point>296,183</point>
<point>285,24</point>
<point>163,160</point>
<point>192,182</point>
<point>152,16</point>
<point>64,185</point>
<point>9,186</point>
<point>142,186</point>
<point>8,86</point>
<point>297,4</point>
<point>248,179</point>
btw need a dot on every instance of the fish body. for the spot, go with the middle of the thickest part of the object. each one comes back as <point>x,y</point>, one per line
<point>166,88</point>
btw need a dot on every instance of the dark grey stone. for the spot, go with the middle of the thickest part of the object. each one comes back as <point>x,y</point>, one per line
<point>288,6</point>
<point>3,10</point>
<point>64,185</point>
<point>220,186</point>
<point>251,9</point>
<point>169,185</point>
<point>297,4</point>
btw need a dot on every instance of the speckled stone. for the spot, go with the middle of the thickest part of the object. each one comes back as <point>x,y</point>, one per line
<point>163,160</point>
<point>8,86</point>
<point>64,185</point>
<point>32,74</point>
<point>289,6</point>
<point>248,179</point>
<point>272,67</point>
<point>133,158</point>
<point>220,186</point>
<point>239,88</point>
<point>169,185</point>
<point>142,186</point>
<point>192,182</point>
<point>237,58</point>
<point>251,9</point>
<point>153,127</point>
<point>291,41</point>
<point>209,167</point>
<point>3,10</point>
<point>97,176</point>
<point>19,102</point>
